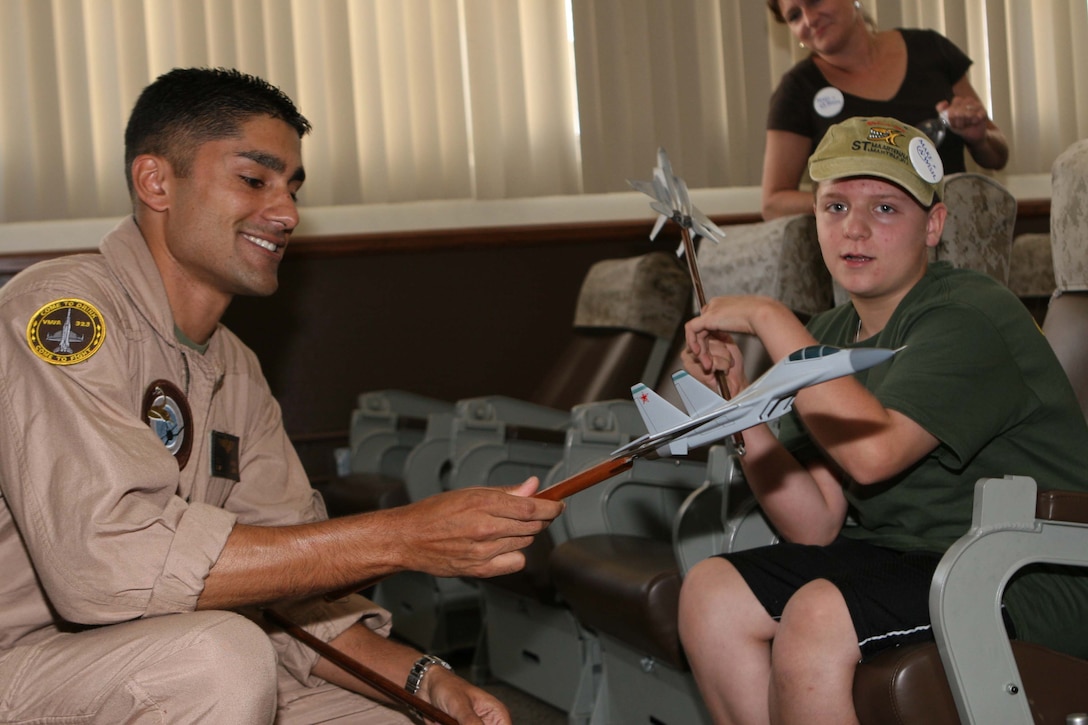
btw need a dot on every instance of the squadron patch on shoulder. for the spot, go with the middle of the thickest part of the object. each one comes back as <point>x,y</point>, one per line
<point>66,331</point>
<point>167,412</point>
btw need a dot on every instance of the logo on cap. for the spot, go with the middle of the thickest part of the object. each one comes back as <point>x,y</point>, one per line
<point>887,134</point>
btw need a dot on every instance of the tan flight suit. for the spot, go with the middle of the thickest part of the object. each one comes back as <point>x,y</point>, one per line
<point>99,527</point>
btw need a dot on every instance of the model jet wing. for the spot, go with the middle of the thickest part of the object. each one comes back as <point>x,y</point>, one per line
<point>671,200</point>
<point>710,418</point>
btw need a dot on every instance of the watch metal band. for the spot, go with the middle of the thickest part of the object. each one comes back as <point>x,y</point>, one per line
<point>419,669</point>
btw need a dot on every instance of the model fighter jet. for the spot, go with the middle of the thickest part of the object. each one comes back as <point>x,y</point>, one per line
<point>711,418</point>
<point>671,201</point>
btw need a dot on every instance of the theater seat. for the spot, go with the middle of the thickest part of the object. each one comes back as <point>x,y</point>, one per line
<point>919,691</point>
<point>991,680</point>
<point>973,673</point>
<point>533,641</point>
<point>1031,272</point>
<point>626,318</point>
<point>779,258</point>
<point>1066,322</point>
<point>615,567</point>
<point>386,425</point>
<point>978,232</point>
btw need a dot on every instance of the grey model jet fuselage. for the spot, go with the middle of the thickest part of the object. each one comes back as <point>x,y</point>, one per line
<point>711,418</point>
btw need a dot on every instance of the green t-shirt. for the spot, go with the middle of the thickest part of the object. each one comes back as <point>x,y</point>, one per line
<point>977,373</point>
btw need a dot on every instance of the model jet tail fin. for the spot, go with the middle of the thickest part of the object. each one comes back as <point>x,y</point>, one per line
<point>697,398</point>
<point>657,413</point>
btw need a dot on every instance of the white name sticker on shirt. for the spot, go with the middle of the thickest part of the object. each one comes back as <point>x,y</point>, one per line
<point>828,102</point>
<point>66,332</point>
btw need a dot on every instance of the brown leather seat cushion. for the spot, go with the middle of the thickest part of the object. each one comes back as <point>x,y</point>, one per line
<point>1062,506</point>
<point>362,492</point>
<point>907,686</point>
<point>534,580</point>
<point>624,586</point>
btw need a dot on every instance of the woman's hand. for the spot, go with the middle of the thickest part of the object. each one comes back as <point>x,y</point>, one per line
<point>967,117</point>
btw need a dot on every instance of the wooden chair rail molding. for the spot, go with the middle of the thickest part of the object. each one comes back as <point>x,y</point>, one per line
<point>1033,213</point>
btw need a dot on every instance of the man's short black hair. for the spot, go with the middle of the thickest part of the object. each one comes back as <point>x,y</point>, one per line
<point>187,107</point>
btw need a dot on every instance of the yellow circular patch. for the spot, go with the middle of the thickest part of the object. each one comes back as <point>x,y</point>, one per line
<point>65,332</point>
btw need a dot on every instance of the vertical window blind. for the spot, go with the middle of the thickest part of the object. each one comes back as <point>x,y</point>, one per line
<point>482,99</point>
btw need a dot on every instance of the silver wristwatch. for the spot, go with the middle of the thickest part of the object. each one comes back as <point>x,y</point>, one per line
<point>419,669</point>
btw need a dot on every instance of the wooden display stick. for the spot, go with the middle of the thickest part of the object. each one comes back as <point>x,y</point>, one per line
<point>358,670</point>
<point>700,295</point>
<point>581,481</point>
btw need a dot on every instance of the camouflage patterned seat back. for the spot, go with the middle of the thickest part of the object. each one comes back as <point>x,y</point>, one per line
<point>1066,323</point>
<point>979,229</point>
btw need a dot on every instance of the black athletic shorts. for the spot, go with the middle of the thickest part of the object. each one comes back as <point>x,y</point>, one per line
<point>886,591</point>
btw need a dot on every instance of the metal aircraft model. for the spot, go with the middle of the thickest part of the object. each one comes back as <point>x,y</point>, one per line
<point>711,418</point>
<point>671,201</point>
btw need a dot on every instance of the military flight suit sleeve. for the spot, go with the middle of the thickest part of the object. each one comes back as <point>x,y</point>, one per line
<point>274,490</point>
<point>325,620</point>
<point>90,486</point>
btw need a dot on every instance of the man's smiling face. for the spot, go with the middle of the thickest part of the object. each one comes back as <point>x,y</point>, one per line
<point>231,216</point>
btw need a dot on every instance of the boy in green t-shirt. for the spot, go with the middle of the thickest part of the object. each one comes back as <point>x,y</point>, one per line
<point>976,391</point>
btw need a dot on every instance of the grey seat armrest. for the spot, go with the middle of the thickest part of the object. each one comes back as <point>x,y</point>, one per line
<point>965,598</point>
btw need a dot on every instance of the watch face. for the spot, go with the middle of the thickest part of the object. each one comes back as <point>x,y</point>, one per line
<point>167,412</point>
<point>419,669</point>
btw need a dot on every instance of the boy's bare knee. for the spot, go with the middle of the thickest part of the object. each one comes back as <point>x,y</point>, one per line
<point>814,605</point>
<point>711,587</point>
<point>815,629</point>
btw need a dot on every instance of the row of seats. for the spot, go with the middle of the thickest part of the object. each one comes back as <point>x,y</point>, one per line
<point>404,447</point>
<point>529,634</point>
<point>590,626</point>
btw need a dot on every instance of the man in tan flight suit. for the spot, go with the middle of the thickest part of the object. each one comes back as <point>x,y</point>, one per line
<point>150,493</point>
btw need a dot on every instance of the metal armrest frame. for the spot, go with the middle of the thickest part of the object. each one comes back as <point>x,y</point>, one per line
<point>965,597</point>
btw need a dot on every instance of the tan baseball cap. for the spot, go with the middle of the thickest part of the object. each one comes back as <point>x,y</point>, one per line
<point>881,147</point>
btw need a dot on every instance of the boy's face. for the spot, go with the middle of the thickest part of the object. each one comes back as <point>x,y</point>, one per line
<point>874,236</point>
<point>231,217</point>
